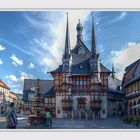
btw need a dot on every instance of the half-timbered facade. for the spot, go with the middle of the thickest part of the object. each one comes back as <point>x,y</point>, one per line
<point>4,93</point>
<point>131,88</point>
<point>81,82</point>
<point>80,86</point>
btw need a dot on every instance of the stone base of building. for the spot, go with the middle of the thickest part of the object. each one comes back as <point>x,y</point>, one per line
<point>86,113</point>
<point>82,114</point>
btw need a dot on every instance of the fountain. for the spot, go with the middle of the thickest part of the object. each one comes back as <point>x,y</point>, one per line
<point>37,119</point>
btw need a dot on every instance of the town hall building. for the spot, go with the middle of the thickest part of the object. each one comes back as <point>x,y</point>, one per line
<point>81,84</point>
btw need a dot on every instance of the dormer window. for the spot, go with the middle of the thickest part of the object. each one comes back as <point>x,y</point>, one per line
<point>80,50</point>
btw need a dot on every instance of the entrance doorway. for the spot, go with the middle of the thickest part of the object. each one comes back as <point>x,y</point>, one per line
<point>67,114</point>
<point>96,114</point>
<point>83,114</point>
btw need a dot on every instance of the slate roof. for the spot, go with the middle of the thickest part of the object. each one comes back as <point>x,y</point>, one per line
<point>114,85</point>
<point>46,87</point>
<point>59,69</point>
<point>132,73</point>
<point>80,62</point>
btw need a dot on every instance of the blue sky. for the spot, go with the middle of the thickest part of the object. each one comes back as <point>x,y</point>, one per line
<point>32,42</point>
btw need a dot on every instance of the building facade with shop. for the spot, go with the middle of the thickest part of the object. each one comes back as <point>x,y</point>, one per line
<point>79,88</point>
<point>131,88</point>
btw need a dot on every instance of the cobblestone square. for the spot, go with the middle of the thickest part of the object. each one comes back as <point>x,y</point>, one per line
<point>109,123</point>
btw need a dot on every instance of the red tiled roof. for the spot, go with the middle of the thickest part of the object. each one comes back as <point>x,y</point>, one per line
<point>2,84</point>
<point>132,72</point>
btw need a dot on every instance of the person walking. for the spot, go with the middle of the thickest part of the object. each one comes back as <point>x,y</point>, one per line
<point>11,117</point>
<point>48,117</point>
<point>2,111</point>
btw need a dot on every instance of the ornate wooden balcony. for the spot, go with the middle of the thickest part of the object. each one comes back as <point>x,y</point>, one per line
<point>95,104</point>
<point>65,100</point>
<point>67,106</point>
<point>81,100</point>
<point>51,106</point>
<point>66,82</point>
<point>66,89</point>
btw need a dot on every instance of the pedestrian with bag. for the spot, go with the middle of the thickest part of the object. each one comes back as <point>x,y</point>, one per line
<point>11,117</point>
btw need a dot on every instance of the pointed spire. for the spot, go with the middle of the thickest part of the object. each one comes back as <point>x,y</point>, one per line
<point>66,54</point>
<point>113,72</point>
<point>93,39</point>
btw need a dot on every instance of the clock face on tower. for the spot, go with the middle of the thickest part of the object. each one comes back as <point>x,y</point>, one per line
<point>80,50</point>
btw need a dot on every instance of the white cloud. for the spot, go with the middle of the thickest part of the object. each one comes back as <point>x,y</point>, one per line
<point>120,17</point>
<point>16,61</point>
<point>101,48</point>
<point>125,57</point>
<point>50,56</point>
<point>17,47</point>
<point>31,66</point>
<point>16,83</point>
<point>24,75</point>
<point>1,62</point>
<point>2,48</point>
<point>11,78</point>
<point>123,14</point>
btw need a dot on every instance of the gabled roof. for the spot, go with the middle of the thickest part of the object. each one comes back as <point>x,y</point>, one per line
<point>132,73</point>
<point>114,85</point>
<point>80,62</point>
<point>104,69</point>
<point>131,65</point>
<point>81,44</point>
<point>46,87</point>
<point>114,82</point>
<point>2,84</point>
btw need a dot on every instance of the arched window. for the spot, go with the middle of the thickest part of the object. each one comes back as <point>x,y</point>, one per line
<point>80,50</point>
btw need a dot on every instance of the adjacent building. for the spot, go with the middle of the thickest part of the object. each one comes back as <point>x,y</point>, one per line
<point>47,94</point>
<point>131,88</point>
<point>13,97</point>
<point>81,86</point>
<point>4,93</point>
<point>115,98</point>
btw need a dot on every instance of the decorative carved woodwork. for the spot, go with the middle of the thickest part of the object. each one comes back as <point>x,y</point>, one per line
<point>67,106</point>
